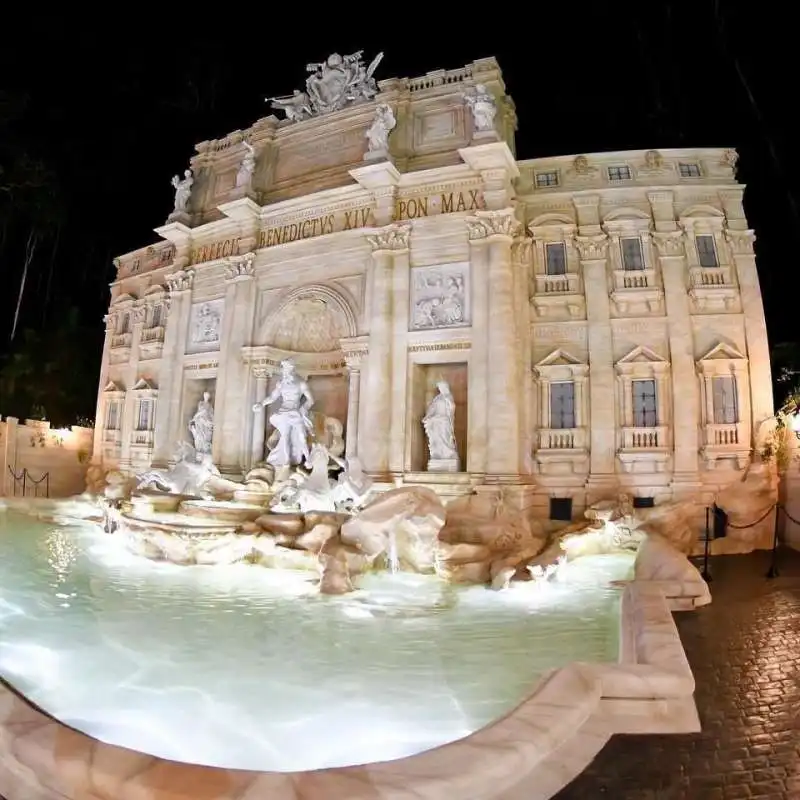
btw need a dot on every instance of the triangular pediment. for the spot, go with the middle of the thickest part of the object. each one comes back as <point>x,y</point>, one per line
<point>559,358</point>
<point>722,352</point>
<point>111,386</point>
<point>155,289</point>
<point>642,355</point>
<point>123,299</point>
<point>143,385</point>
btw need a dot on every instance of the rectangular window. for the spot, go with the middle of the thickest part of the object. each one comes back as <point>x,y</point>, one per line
<point>112,417</point>
<point>145,415</point>
<point>643,502</point>
<point>645,413</point>
<point>556,258</point>
<point>726,406</point>
<point>157,315</point>
<point>546,179</point>
<point>561,509</point>
<point>619,173</point>
<point>562,405</point>
<point>706,251</point>
<point>632,255</point>
<point>689,170</point>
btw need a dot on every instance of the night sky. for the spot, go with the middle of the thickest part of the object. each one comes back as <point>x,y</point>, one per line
<point>114,109</point>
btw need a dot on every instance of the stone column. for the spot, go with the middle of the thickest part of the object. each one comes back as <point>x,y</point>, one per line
<point>170,384</point>
<point>593,253</point>
<point>127,423</point>
<point>498,228</point>
<point>100,412</point>
<point>401,276</point>
<point>231,400</point>
<point>386,243</point>
<point>755,325</point>
<point>355,353</point>
<point>256,455</point>
<point>478,395</point>
<point>685,394</point>
<point>522,252</point>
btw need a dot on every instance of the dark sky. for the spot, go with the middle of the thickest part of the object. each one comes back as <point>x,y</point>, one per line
<point>115,108</point>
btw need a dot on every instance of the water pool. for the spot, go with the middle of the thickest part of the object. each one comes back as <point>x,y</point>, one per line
<point>248,668</point>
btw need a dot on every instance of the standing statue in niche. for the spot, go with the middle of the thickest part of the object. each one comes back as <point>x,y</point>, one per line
<point>291,420</point>
<point>201,425</point>
<point>183,191</point>
<point>247,167</point>
<point>382,125</point>
<point>483,108</point>
<point>440,432</point>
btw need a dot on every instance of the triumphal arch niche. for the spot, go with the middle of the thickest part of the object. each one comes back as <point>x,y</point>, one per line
<point>315,327</point>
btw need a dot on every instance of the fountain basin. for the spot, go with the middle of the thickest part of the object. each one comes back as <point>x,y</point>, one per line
<point>221,510</point>
<point>254,497</point>
<point>153,502</point>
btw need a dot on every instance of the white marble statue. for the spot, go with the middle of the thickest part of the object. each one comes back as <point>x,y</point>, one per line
<point>440,432</point>
<point>354,488</point>
<point>333,84</point>
<point>189,476</point>
<point>247,167</point>
<point>183,190</point>
<point>382,125</point>
<point>201,425</point>
<point>483,108</point>
<point>291,420</point>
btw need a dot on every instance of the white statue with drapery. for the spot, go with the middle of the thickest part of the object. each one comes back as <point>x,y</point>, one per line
<point>201,425</point>
<point>292,420</point>
<point>183,191</point>
<point>439,425</point>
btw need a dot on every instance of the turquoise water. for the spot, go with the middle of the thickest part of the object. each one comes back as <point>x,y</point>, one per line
<point>243,667</point>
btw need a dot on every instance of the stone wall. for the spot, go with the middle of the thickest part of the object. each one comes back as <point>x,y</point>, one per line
<point>40,460</point>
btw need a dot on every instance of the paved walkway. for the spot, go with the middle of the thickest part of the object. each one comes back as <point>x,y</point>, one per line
<point>745,653</point>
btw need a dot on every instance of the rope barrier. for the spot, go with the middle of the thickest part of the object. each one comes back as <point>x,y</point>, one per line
<point>760,519</point>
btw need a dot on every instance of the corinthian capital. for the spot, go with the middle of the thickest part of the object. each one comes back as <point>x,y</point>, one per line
<point>180,281</point>
<point>493,223</point>
<point>592,248</point>
<point>393,237</point>
<point>741,242</point>
<point>670,243</point>
<point>240,267</point>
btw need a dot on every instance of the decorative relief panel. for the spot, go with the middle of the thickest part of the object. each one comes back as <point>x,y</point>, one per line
<point>440,296</point>
<point>205,326</point>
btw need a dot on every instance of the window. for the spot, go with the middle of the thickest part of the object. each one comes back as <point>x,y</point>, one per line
<point>112,417</point>
<point>619,173</point>
<point>643,502</point>
<point>556,258</point>
<point>726,411</point>
<point>632,255</point>
<point>546,179</point>
<point>562,405</point>
<point>689,170</point>
<point>561,509</point>
<point>145,415</point>
<point>644,404</point>
<point>158,313</point>
<point>706,251</point>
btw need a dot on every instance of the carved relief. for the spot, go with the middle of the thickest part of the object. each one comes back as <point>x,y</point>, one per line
<point>439,296</point>
<point>493,223</point>
<point>307,324</point>
<point>205,327</point>
<point>180,281</point>
<point>669,244</point>
<point>240,267</point>
<point>392,237</point>
<point>591,247</point>
<point>741,242</point>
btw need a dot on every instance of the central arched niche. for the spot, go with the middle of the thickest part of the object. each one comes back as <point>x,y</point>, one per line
<point>308,322</point>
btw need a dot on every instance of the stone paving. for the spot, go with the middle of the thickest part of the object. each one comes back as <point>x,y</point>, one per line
<point>745,654</point>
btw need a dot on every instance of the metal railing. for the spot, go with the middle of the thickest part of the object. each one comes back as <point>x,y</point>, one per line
<point>24,480</point>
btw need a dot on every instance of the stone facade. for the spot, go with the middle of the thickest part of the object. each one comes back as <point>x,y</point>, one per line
<point>598,318</point>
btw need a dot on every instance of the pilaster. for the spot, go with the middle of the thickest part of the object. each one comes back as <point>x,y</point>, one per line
<point>355,352</point>
<point>381,180</point>
<point>99,419</point>
<point>685,393</point>
<point>128,410</point>
<point>593,252</point>
<point>755,325</point>
<point>260,385</point>
<point>170,384</point>
<point>231,399</point>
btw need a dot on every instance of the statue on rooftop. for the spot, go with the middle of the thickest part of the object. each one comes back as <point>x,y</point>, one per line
<point>183,190</point>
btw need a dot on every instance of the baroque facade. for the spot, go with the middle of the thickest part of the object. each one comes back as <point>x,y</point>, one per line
<point>598,317</point>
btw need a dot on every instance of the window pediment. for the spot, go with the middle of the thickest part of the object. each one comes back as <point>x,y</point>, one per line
<point>560,365</point>
<point>123,300</point>
<point>642,361</point>
<point>722,359</point>
<point>626,220</point>
<point>552,226</point>
<point>143,387</point>
<point>113,390</point>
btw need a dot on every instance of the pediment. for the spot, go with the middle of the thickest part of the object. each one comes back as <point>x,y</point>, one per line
<point>626,213</point>
<point>701,210</point>
<point>155,290</point>
<point>112,387</point>
<point>722,352</point>
<point>123,299</point>
<point>642,355</point>
<point>550,220</point>
<point>143,385</point>
<point>559,358</point>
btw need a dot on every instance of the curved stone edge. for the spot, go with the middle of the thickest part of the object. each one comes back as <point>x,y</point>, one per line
<point>532,753</point>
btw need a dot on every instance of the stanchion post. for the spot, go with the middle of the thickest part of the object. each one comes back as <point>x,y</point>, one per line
<point>772,572</point>
<point>705,574</point>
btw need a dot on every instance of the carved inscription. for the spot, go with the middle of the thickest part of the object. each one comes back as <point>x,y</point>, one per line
<point>441,203</point>
<point>315,226</point>
<point>560,333</point>
<point>215,250</point>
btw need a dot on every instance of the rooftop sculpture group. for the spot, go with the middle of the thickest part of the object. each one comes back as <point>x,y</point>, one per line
<point>333,84</point>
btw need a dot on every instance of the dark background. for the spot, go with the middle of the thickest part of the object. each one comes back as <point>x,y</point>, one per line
<point>97,114</point>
